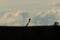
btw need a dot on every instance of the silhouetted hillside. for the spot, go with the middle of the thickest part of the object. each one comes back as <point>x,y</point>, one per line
<point>31,32</point>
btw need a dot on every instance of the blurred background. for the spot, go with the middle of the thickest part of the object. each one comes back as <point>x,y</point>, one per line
<point>18,12</point>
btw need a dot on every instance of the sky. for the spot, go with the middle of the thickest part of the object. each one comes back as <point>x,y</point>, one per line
<point>17,12</point>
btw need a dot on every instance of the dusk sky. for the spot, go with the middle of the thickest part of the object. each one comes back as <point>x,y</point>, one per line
<point>17,12</point>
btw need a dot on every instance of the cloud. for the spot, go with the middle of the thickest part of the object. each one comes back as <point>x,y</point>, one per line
<point>9,18</point>
<point>40,17</point>
<point>47,17</point>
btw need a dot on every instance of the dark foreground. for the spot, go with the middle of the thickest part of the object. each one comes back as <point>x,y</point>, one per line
<point>30,33</point>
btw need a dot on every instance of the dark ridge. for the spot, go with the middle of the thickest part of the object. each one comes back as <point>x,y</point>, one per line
<point>44,32</point>
<point>30,32</point>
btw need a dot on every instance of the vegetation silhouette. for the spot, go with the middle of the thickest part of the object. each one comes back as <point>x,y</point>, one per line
<point>28,22</point>
<point>56,24</point>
